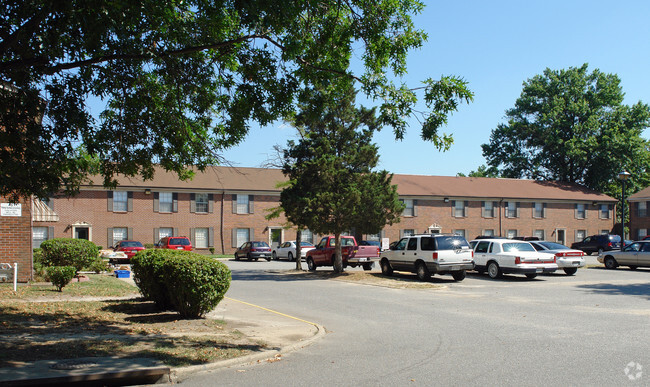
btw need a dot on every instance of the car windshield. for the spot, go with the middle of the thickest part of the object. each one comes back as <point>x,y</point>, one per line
<point>447,243</point>
<point>514,247</point>
<point>179,241</point>
<point>306,244</point>
<point>553,246</point>
<point>131,244</point>
<point>260,244</point>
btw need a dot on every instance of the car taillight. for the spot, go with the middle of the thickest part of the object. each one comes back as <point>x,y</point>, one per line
<point>517,260</point>
<point>472,253</point>
<point>610,244</point>
<point>435,256</point>
<point>378,251</point>
<point>560,255</point>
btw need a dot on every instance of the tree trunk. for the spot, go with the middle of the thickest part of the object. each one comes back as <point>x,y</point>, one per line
<point>298,249</point>
<point>338,260</point>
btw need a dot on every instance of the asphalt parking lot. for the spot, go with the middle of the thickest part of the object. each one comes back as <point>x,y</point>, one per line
<point>590,328</point>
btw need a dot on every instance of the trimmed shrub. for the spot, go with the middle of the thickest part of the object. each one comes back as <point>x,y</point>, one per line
<point>60,276</point>
<point>99,265</point>
<point>148,246</point>
<point>186,282</point>
<point>211,250</point>
<point>79,253</point>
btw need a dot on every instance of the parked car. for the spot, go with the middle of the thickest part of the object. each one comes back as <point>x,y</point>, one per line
<point>526,238</point>
<point>175,243</point>
<point>130,248</point>
<point>566,258</point>
<point>429,254</point>
<point>288,250</point>
<point>633,255</point>
<point>598,243</point>
<point>506,256</point>
<point>253,251</point>
<point>351,253</point>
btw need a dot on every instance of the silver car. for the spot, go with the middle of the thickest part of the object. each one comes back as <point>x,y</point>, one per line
<point>567,259</point>
<point>633,255</point>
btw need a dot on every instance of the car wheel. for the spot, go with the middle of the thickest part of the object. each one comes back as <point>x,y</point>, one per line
<point>275,256</point>
<point>236,257</point>
<point>531,275</point>
<point>386,269</point>
<point>367,266</point>
<point>290,256</point>
<point>493,270</point>
<point>571,270</point>
<point>632,267</point>
<point>422,272</point>
<point>459,275</point>
<point>610,263</point>
<point>311,266</point>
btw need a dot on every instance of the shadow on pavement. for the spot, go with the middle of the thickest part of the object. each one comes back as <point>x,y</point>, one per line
<point>642,290</point>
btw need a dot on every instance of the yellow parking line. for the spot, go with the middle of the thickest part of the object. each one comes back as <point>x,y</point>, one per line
<point>272,311</point>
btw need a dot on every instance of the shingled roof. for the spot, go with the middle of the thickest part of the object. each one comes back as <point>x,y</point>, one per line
<point>642,195</point>
<point>266,180</point>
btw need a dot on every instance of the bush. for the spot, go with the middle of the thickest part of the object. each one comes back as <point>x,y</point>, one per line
<point>79,253</point>
<point>148,245</point>
<point>183,281</point>
<point>39,267</point>
<point>211,250</point>
<point>60,276</point>
<point>99,265</point>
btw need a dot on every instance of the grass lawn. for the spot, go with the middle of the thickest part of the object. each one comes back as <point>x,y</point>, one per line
<point>39,323</point>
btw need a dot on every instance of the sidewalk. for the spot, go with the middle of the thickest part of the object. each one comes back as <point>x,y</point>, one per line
<point>282,334</point>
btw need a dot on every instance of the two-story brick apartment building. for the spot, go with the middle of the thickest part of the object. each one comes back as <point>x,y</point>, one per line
<point>224,207</point>
<point>639,215</point>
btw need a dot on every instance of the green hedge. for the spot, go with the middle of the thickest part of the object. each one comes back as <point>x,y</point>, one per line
<point>78,253</point>
<point>186,282</point>
<point>60,276</point>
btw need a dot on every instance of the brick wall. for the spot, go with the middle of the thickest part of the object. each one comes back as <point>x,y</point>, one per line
<point>16,240</point>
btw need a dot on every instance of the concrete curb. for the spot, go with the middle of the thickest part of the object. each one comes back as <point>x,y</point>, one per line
<point>180,373</point>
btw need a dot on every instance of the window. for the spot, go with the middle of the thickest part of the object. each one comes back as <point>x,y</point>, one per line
<point>120,201</point>
<point>488,232</point>
<point>201,200</point>
<point>482,247</point>
<point>488,210</point>
<point>581,211</point>
<point>538,210</point>
<point>201,238</point>
<point>642,233</point>
<point>458,208</point>
<point>165,232</point>
<point>604,232</point>
<point>459,233</point>
<point>307,236</point>
<point>119,234</point>
<point>511,209</point>
<point>243,235</point>
<point>409,207</point>
<point>401,245</point>
<point>511,233</point>
<point>39,235</point>
<point>539,234</point>
<point>166,202</point>
<point>373,237</point>
<point>604,211</point>
<point>243,204</point>
<point>408,232</point>
<point>641,209</point>
<point>580,235</point>
<point>413,244</point>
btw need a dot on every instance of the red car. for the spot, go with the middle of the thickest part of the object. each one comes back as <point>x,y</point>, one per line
<point>175,243</point>
<point>130,248</point>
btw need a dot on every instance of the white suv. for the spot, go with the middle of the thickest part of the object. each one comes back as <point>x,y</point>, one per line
<point>429,254</point>
<point>504,256</point>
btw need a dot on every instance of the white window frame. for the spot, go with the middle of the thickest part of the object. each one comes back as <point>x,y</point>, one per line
<point>488,209</point>
<point>511,209</point>
<point>538,210</point>
<point>409,207</point>
<point>201,237</point>
<point>581,211</point>
<point>165,202</point>
<point>642,233</point>
<point>165,232</point>
<point>120,234</point>
<point>201,203</point>
<point>642,209</point>
<point>459,232</point>
<point>540,233</point>
<point>408,232</point>
<point>512,233</point>
<point>120,201</point>
<point>307,236</point>
<point>488,232</point>
<point>243,205</point>
<point>580,235</point>
<point>243,236</point>
<point>42,231</point>
<point>459,207</point>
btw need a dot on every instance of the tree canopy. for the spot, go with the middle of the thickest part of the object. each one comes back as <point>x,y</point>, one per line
<point>332,185</point>
<point>571,125</point>
<point>180,81</point>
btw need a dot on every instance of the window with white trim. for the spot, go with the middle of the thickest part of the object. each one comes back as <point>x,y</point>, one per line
<point>511,210</point>
<point>409,209</point>
<point>243,205</point>
<point>165,232</point>
<point>459,208</point>
<point>488,232</point>
<point>120,201</point>
<point>201,202</point>
<point>408,232</point>
<point>243,235</point>
<point>538,210</point>
<point>604,232</point>
<point>488,209</point>
<point>642,233</point>
<point>581,211</point>
<point>642,210</point>
<point>201,239</point>
<point>604,211</point>
<point>511,233</point>
<point>539,234</point>
<point>581,235</point>
<point>39,235</point>
<point>165,202</point>
<point>459,233</point>
<point>120,234</point>
<point>307,236</point>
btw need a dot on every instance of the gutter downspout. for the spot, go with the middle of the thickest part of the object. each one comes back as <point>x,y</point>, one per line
<point>500,209</point>
<point>223,249</point>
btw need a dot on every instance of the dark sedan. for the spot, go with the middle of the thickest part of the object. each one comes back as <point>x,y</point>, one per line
<point>253,251</point>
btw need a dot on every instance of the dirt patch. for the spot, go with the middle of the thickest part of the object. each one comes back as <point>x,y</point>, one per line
<point>397,281</point>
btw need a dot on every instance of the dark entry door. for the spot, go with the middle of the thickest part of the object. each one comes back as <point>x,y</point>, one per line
<point>81,233</point>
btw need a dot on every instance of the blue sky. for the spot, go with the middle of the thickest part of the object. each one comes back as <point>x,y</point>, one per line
<point>496,46</point>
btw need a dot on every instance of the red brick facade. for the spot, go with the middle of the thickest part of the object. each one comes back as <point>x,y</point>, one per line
<point>16,238</point>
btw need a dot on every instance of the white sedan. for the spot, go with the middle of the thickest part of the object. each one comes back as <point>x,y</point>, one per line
<point>288,250</point>
<point>567,259</point>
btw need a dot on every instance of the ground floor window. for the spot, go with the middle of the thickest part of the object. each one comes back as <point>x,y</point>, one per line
<point>604,232</point>
<point>39,235</point>
<point>488,232</point>
<point>642,233</point>
<point>307,236</point>
<point>580,235</point>
<point>511,233</point>
<point>460,233</point>
<point>201,238</point>
<point>373,237</point>
<point>539,234</point>
<point>243,236</point>
<point>120,234</point>
<point>408,232</point>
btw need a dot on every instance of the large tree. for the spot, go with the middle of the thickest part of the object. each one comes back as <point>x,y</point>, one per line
<point>571,125</point>
<point>332,183</point>
<point>178,81</point>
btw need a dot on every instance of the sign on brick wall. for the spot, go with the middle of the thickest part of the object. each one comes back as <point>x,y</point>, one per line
<point>9,209</point>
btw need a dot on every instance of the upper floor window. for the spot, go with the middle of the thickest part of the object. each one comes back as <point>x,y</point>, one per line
<point>488,210</point>
<point>641,209</point>
<point>166,202</point>
<point>581,211</point>
<point>242,204</point>
<point>120,201</point>
<point>458,208</point>
<point>538,210</point>
<point>511,210</point>
<point>201,200</point>
<point>409,207</point>
<point>604,211</point>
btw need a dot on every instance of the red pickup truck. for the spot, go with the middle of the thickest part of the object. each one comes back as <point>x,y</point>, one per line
<point>351,253</point>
